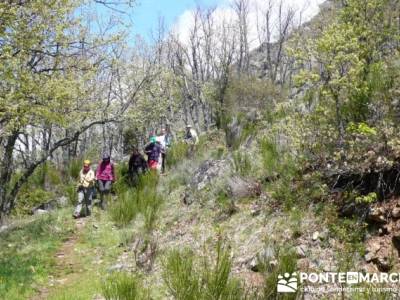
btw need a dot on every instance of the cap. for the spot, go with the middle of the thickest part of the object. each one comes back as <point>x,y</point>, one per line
<point>153,139</point>
<point>86,162</point>
<point>106,156</point>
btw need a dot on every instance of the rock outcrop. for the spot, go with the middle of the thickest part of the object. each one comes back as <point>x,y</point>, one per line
<point>208,172</point>
<point>383,248</point>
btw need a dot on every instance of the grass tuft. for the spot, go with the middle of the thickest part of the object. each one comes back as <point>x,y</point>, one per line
<point>242,163</point>
<point>177,153</point>
<point>206,278</point>
<point>144,199</point>
<point>286,262</point>
<point>123,286</point>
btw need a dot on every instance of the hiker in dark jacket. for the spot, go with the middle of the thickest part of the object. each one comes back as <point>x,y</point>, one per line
<point>153,151</point>
<point>137,166</point>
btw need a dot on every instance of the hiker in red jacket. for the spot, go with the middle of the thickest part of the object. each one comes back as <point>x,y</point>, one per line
<point>105,176</point>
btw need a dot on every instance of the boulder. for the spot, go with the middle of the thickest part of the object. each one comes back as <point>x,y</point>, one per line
<point>377,214</point>
<point>48,206</point>
<point>240,188</point>
<point>209,171</point>
<point>379,250</point>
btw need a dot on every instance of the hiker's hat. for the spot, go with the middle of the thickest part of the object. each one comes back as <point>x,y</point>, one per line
<point>106,156</point>
<point>153,139</point>
<point>86,162</point>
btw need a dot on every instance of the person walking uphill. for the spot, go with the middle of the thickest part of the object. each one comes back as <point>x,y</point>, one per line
<point>192,139</point>
<point>85,190</point>
<point>153,151</point>
<point>137,166</point>
<point>105,176</point>
<point>191,136</point>
<point>165,142</point>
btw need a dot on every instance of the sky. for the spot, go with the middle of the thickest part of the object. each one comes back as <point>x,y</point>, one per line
<point>177,14</point>
<point>147,12</point>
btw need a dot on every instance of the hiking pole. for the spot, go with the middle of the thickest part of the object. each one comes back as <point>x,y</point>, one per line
<point>85,193</point>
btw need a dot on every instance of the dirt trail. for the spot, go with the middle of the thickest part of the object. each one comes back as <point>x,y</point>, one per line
<point>66,263</point>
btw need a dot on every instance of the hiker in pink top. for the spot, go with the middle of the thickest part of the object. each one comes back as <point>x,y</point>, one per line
<point>105,175</point>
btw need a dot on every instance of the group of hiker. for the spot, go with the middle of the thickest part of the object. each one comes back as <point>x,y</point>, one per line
<point>156,151</point>
<point>104,176</point>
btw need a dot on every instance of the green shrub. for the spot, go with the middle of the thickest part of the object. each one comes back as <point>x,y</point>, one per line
<point>177,153</point>
<point>53,175</point>
<point>42,186</point>
<point>242,163</point>
<point>351,233</point>
<point>270,156</point>
<point>216,276</point>
<point>46,173</point>
<point>218,153</point>
<point>122,185</point>
<point>249,128</point>
<point>123,286</point>
<point>296,217</point>
<point>180,275</point>
<point>143,199</point>
<point>226,204</point>
<point>70,191</point>
<point>126,237</point>
<point>249,92</point>
<point>176,181</point>
<point>282,190</point>
<point>284,174</point>
<point>149,199</point>
<point>30,198</point>
<point>39,175</point>
<point>74,167</point>
<point>187,279</point>
<point>151,211</point>
<point>125,209</point>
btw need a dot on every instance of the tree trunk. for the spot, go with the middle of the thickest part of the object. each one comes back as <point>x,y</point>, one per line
<point>5,174</point>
